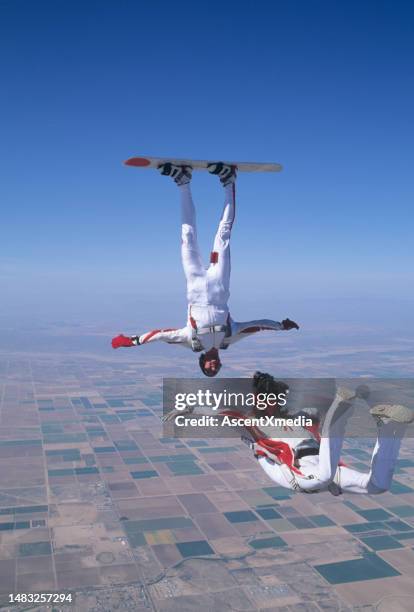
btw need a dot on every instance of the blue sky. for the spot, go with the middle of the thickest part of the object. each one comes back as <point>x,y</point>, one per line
<point>325,88</point>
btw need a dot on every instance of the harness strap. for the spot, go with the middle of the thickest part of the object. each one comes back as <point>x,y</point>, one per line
<point>210,329</point>
<point>196,344</point>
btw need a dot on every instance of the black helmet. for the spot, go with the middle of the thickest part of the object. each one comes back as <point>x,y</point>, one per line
<point>265,383</point>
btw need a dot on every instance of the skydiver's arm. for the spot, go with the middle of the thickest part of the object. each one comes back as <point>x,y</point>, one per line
<point>197,410</point>
<point>171,336</point>
<point>242,330</point>
<point>275,472</point>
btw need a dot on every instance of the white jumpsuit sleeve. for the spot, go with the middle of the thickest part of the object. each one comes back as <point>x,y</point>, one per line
<point>275,472</point>
<point>241,330</point>
<point>169,335</point>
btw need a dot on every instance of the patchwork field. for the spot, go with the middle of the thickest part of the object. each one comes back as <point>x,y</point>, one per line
<point>95,501</point>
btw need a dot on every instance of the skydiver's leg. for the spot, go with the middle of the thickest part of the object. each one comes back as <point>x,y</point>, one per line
<point>190,251</point>
<point>220,263</point>
<point>333,433</point>
<point>321,469</point>
<point>383,462</point>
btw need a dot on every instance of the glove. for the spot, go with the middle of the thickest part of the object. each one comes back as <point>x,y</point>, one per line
<point>122,340</point>
<point>170,416</point>
<point>254,447</point>
<point>288,324</point>
<point>249,442</point>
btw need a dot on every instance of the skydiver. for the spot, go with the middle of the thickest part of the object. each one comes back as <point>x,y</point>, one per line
<point>311,464</point>
<point>209,325</point>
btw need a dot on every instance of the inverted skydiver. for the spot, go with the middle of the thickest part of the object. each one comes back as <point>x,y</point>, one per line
<point>209,324</point>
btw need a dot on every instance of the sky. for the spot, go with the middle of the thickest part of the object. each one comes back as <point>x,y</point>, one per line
<point>324,88</point>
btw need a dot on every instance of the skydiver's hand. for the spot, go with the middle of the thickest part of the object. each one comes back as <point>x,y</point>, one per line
<point>124,341</point>
<point>288,324</point>
<point>254,447</point>
<point>248,442</point>
<point>170,416</point>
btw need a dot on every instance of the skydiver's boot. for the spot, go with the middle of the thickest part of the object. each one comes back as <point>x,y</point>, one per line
<point>180,174</point>
<point>225,172</point>
<point>385,413</point>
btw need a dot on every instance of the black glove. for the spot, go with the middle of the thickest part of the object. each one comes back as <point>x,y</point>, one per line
<point>288,324</point>
<point>249,442</point>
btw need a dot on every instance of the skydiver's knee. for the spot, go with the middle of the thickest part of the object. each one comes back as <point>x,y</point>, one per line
<point>326,474</point>
<point>309,485</point>
<point>321,484</point>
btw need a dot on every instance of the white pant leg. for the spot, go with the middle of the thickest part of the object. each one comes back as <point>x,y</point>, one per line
<point>190,251</point>
<point>383,462</point>
<point>352,481</point>
<point>332,439</point>
<point>219,272</point>
<point>323,467</point>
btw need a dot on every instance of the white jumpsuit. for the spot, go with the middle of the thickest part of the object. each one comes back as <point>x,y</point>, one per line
<point>208,290</point>
<point>323,468</point>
